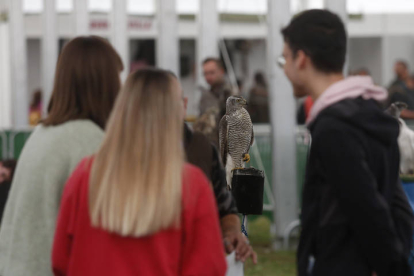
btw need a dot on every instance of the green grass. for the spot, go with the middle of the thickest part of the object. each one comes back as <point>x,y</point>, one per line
<point>259,232</point>
<point>271,263</point>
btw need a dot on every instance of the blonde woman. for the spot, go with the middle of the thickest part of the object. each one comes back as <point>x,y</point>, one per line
<point>136,208</point>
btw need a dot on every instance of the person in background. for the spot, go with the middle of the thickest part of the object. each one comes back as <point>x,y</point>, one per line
<point>356,219</point>
<point>401,71</point>
<point>213,101</point>
<point>87,81</point>
<point>202,153</point>
<point>219,91</point>
<point>402,90</point>
<point>7,168</point>
<point>35,112</point>
<point>259,100</point>
<point>136,207</point>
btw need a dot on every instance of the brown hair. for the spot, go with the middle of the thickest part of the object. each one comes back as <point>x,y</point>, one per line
<point>216,60</point>
<point>403,63</point>
<point>136,183</point>
<point>86,82</point>
<point>36,99</point>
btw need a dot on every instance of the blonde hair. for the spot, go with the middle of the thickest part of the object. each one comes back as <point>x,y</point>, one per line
<point>136,178</point>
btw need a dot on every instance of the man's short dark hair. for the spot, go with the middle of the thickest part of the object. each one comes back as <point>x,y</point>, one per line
<point>321,35</point>
<point>216,60</point>
<point>403,63</point>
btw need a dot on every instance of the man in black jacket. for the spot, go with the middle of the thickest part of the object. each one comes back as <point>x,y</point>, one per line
<point>356,219</point>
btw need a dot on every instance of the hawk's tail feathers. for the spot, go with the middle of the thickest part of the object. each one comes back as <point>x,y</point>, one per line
<point>229,168</point>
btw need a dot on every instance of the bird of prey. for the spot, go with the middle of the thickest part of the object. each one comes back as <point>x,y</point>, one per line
<point>235,135</point>
<point>207,124</point>
<point>396,108</point>
<point>405,139</point>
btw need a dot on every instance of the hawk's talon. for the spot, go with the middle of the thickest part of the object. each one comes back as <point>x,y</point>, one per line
<point>246,158</point>
<point>237,169</point>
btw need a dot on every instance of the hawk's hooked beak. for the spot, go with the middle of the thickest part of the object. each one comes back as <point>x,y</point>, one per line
<point>245,103</point>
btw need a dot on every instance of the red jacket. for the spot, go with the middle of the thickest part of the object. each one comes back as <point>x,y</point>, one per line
<point>194,249</point>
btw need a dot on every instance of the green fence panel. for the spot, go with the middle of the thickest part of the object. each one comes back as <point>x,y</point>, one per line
<point>6,154</point>
<point>12,143</point>
<point>263,146</point>
<point>17,139</point>
<point>301,161</point>
<point>303,140</point>
<point>263,143</point>
<point>3,146</point>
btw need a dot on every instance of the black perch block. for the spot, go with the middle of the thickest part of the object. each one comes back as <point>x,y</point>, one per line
<point>247,188</point>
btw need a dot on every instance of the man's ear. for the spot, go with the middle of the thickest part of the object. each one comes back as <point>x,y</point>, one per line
<point>301,60</point>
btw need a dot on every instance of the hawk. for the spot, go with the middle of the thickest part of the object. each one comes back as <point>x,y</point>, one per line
<point>235,135</point>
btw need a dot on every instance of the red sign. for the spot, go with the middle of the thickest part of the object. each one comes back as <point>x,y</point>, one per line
<point>99,24</point>
<point>140,24</point>
<point>134,24</point>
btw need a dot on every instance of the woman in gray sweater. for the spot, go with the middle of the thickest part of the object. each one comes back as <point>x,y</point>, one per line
<point>86,85</point>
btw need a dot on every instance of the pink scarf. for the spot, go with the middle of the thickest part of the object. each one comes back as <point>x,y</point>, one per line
<point>349,88</point>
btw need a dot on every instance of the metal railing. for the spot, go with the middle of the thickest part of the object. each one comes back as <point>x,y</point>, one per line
<point>4,149</point>
<point>263,131</point>
<point>10,149</point>
<point>303,144</point>
<point>12,141</point>
<point>261,152</point>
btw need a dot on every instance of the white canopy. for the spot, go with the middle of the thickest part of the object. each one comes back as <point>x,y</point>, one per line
<point>230,6</point>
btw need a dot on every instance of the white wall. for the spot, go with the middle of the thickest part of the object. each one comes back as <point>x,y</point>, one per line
<point>378,55</point>
<point>366,53</point>
<point>373,52</point>
<point>34,67</point>
<point>369,25</point>
<point>189,82</point>
<point>257,61</point>
<point>3,5</point>
<point>5,78</point>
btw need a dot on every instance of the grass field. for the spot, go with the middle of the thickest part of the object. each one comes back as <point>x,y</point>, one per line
<point>270,263</point>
